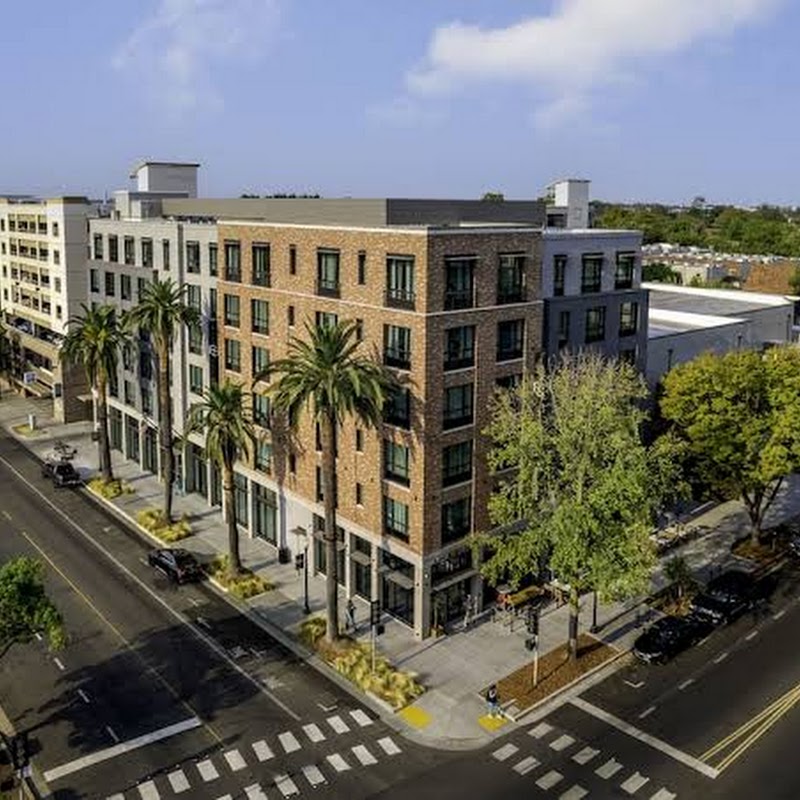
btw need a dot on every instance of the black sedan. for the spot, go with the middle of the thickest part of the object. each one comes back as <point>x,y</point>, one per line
<point>62,473</point>
<point>669,636</point>
<point>726,597</point>
<point>177,564</point>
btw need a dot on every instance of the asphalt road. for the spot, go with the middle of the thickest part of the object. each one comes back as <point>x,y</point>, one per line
<point>145,656</point>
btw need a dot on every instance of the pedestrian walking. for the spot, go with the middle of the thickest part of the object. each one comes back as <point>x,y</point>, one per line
<point>493,701</point>
<point>350,615</point>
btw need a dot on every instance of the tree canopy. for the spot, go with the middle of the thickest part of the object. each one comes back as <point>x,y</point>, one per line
<point>740,416</point>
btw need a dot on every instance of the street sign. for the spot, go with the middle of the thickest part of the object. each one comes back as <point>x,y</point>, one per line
<point>374,612</point>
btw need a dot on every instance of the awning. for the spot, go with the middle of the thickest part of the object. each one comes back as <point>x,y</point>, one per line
<point>399,578</point>
<point>360,558</point>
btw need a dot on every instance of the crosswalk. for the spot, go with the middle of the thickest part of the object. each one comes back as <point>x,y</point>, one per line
<point>184,779</point>
<point>555,783</point>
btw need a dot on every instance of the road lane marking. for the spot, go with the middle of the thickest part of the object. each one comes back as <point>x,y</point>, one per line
<point>751,635</point>
<point>663,794</point>
<point>637,685</point>
<point>688,682</point>
<point>647,712</point>
<point>562,743</point>
<point>288,742</point>
<point>286,786</point>
<point>609,769</point>
<point>634,783</point>
<point>178,781</point>
<point>254,792</point>
<point>118,749</point>
<point>235,760</point>
<point>337,762</point>
<point>229,797</point>
<point>59,663</point>
<point>338,724</point>
<point>585,756</point>
<point>148,791</point>
<point>363,755</point>
<point>208,772</point>
<point>388,746</point>
<point>116,797</point>
<point>779,614</point>
<point>506,751</point>
<point>314,733</point>
<point>262,751</point>
<point>636,733</point>
<point>721,657</point>
<point>526,765</point>
<point>210,643</point>
<point>576,792</point>
<point>111,733</point>
<point>313,775</point>
<point>542,729</point>
<point>84,696</point>
<point>361,718</point>
<point>549,780</point>
<point>7,515</point>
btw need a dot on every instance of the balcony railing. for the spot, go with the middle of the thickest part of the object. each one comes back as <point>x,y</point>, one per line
<point>457,299</point>
<point>397,358</point>
<point>399,298</point>
<point>462,361</point>
<point>327,287</point>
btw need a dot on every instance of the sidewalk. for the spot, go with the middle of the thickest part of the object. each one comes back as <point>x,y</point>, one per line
<point>454,668</point>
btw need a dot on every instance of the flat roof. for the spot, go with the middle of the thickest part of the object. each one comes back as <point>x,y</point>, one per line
<point>147,163</point>
<point>710,302</point>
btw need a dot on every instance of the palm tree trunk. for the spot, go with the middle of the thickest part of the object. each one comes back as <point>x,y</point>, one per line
<point>165,427</point>
<point>103,443</point>
<point>328,425</point>
<point>235,565</point>
<point>574,610</point>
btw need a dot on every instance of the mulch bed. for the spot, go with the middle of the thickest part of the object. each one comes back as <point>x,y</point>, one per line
<point>555,672</point>
<point>761,552</point>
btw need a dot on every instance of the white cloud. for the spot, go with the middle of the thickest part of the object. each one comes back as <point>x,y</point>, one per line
<point>175,51</point>
<point>579,47</point>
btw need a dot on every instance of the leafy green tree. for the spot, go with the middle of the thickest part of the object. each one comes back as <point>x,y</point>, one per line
<point>577,490</point>
<point>161,312</point>
<point>680,576</point>
<point>93,341</point>
<point>739,414</point>
<point>794,281</point>
<point>25,609</point>
<point>493,197</point>
<point>659,272</point>
<point>327,375</point>
<point>225,420</point>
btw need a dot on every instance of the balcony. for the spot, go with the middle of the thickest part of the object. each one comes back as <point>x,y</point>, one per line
<point>394,357</point>
<point>399,298</point>
<point>457,421</point>
<point>327,287</point>
<point>459,299</point>
<point>459,361</point>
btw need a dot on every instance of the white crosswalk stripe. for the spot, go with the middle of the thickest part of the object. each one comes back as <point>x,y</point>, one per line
<point>542,729</point>
<point>235,760</point>
<point>262,750</point>
<point>549,780</point>
<point>338,763</point>
<point>288,742</point>
<point>208,772</point>
<point>562,743</point>
<point>526,765</point>
<point>388,746</point>
<point>255,792</point>
<point>609,769</point>
<point>361,718</point>
<point>177,780</point>
<point>313,775</point>
<point>314,733</point>
<point>116,797</point>
<point>634,783</point>
<point>663,794</point>
<point>363,755</point>
<point>506,751</point>
<point>148,791</point>
<point>286,786</point>
<point>575,792</point>
<point>225,797</point>
<point>338,724</point>
<point>585,756</point>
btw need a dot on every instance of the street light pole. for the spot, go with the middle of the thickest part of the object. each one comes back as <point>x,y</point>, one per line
<point>301,535</point>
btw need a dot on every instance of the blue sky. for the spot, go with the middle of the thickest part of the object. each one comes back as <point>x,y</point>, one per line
<point>650,99</point>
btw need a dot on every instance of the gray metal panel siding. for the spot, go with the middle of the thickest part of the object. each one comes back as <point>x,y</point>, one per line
<point>452,212</point>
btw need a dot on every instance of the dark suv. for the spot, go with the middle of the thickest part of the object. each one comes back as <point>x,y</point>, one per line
<point>61,472</point>
<point>669,636</point>
<point>726,597</point>
<point>177,564</point>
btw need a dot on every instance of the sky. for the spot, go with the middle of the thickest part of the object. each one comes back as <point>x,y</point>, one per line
<point>652,100</point>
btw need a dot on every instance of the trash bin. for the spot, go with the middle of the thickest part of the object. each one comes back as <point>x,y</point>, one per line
<point>32,422</point>
<point>284,555</point>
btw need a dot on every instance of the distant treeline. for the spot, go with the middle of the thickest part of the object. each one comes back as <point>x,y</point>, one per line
<point>764,230</point>
<point>280,196</point>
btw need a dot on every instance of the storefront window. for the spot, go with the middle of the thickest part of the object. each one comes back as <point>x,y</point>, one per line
<point>240,499</point>
<point>265,513</point>
<point>397,587</point>
<point>361,565</point>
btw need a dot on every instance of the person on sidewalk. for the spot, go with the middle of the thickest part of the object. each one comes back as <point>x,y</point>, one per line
<point>493,701</point>
<point>350,615</point>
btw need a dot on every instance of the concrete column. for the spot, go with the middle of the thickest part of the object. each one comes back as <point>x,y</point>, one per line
<point>422,601</point>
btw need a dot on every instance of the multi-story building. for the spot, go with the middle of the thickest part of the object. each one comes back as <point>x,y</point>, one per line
<point>43,283</point>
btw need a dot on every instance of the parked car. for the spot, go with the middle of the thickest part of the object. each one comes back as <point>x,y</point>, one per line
<point>727,597</point>
<point>177,564</point>
<point>669,636</point>
<point>62,473</point>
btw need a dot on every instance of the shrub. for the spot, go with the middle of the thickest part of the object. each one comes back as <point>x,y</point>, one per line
<point>244,585</point>
<point>109,489</point>
<point>153,521</point>
<point>312,630</point>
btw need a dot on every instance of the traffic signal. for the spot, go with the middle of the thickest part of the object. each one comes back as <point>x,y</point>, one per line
<point>19,747</point>
<point>299,561</point>
<point>532,621</point>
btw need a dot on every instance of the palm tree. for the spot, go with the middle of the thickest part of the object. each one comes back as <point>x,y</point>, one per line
<point>326,374</point>
<point>93,340</point>
<point>229,431</point>
<point>160,312</point>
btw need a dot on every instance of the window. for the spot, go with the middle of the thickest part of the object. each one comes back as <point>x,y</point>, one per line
<point>592,273</point>
<point>55,229</point>
<point>457,406</point>
<point>127,389</point>
<point>362,267</point>
<point>259,316</point>
<point>113,248</point>
<point>260,359</point>
<point>395,518</point>
<point>326,319</point>
<point>509,382</point>
<point>396,466</point>
<point>628,318</point>
<point>400,281</point>
<point>328,272</point>
<point>147,253</point>
<point>94,281</point>
<point>397,346</point>
<point>559,271</point>
<point>359,330</point>
<point>595,324</point>
<point>292,259</point>
<point>195,343</point>
<point>397,409</point>
<point>263,457</point>
<point>459,350</point>
<point>232,310</point>
<point>359,494</point>
<point>563,328</point>
<point>261,276</point>
<point>140,286</point>
<point>125,287</point>
<point>212,259</point>
<point>290,316</point>
<point>457,463</point>
<point>511,278</point>
<point>165,254</point>
<point>195,379</point>
<point>623,275</point>
<point>359,440</point>
<point>193,257</point>
<point>110,280</point>
<point>321,491</point>
<point>128,250</point>
<point>98,246</point>
<point>233,262</point>
<point>510,337</point>
<point>261,410</point>
<point>292,463</point>
<point>240,498</point>
<point>456,519</point>
<point>193,296</point>
<point>147,400</point>
<point>459,283</point>
<point>233,355</point>
<point>127,356</point>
